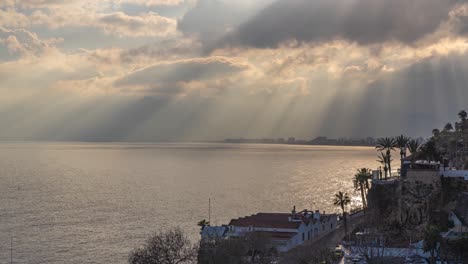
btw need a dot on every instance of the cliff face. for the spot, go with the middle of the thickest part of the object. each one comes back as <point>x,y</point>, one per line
<point>408,202</point>
<point>383,202</point>
<point>403,208</point>
<point>418,201</point>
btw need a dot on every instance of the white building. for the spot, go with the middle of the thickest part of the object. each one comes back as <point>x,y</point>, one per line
<point>286,230</point>
<point>213,232</point>
<point>453,173</point>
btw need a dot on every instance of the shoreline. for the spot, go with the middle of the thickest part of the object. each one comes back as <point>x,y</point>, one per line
<point>288,144</point>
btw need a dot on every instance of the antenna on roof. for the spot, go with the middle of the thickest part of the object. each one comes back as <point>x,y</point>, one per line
<point>209,210</point>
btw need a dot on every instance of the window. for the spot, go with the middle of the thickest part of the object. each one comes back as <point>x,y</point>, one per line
<point>303,236</point>
<point>308,235</point>
<point>331,226</point>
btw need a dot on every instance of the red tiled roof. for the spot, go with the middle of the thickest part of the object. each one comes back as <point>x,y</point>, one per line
<point>279,220</point>
<point>266,220</point>
<point>275,220</point>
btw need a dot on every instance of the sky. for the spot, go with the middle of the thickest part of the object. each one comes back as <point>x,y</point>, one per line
<point>189,70</point>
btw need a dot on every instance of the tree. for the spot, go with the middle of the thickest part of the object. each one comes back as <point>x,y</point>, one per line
<point>435,132</point>
<point>401,142</point>
<point>342,200</point>
<point>413,146</point>
<point>254,247</point>
<point>388,156</point>
<point>229,251</point>
<point>429,150</point>
<point>463,115</point>
<point>448,127</point>
<point>388,144</point>
<point>360,182</point>
<point>203,223</point>
<point>383,160</point>
<point>431,239</point>
<point>170,247</point>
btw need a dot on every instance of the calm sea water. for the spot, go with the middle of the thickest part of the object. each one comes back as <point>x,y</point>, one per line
<point>92,203</point>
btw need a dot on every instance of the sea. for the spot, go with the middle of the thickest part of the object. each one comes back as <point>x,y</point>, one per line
<point>94,202</point>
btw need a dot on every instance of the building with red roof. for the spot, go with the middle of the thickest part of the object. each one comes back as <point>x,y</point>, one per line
<point>286,230</point>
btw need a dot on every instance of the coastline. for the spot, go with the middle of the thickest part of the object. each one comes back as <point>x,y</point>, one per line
<point>292,144</point>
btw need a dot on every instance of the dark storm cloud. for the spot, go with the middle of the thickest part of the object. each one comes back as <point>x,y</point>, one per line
<point>361,21</point>
<point>212,19</point>
<point>208,19</point>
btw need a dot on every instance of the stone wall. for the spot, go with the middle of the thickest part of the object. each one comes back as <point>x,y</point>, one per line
<point>430,177</point>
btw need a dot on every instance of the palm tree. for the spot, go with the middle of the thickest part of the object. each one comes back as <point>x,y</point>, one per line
<point>401,142</point>
<point>429,150</point>
<point>463,115</point>
<point>342,200</point>
<point>431,239</point>
<point>361,183</point>
<point>413,146</point>
<point>388,144</point>
<point>448,127</point>
<point>383,160</point>
<point>389,162</point>
<point>203,223</point>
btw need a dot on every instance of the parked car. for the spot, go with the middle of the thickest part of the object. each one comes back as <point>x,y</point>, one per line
<point>338,253</point>
<point>415,259</point>
<point>355,259</point>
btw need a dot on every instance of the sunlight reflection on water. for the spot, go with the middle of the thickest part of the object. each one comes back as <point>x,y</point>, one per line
<point>92,203</point>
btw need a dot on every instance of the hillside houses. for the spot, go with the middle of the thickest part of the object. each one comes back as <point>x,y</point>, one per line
<point>285,230</point>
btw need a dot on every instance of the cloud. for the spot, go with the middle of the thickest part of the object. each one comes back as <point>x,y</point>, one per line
<point>10,18</point>
<point>361,21</point>
<point>150,24</point>
<point>23,42</point>
<point>35,3</point>
<point>116,23</point>
<point>152,3</point>
<point>170,77</point>
<point>458,22</point>
<point>59,14</point>
<point>278,68</point>
<point>210,19</point>
<point>168,49</point>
